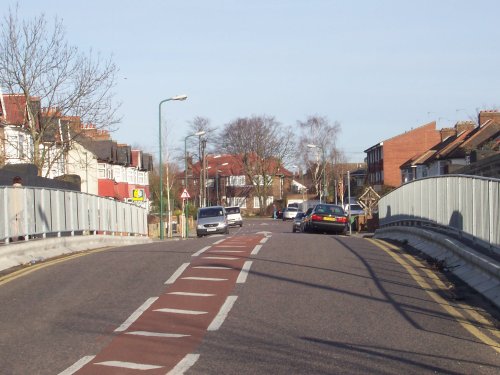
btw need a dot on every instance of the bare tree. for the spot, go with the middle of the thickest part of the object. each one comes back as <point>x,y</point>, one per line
<point>57,81</point>
<point>263,145</point>
<point>320,132</point>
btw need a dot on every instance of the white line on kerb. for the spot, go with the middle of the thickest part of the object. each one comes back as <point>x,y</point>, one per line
<point>222,314</point>
<point>256,250</point>
<point>130,365</point>
<point>242,277</point>
<point>77,365</point>
<point>136,314</point>
<point>199,252</point>
<point>184,365</point>
<point>177,273</point>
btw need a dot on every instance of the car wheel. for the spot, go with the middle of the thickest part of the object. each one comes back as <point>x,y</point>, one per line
<point>294,230</point>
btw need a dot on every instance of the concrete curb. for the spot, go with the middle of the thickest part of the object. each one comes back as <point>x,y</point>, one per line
<point>34,251</point>
<point>477,270</point>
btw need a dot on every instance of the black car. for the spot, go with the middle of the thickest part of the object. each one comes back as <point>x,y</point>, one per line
<point>297,221</point>
<point>326,218</point>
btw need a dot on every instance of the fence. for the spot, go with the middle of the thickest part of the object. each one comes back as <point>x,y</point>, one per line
<point>28,212</point>
<point>466,205</point>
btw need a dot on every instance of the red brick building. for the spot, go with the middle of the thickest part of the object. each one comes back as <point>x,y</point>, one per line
<point>385,158</point>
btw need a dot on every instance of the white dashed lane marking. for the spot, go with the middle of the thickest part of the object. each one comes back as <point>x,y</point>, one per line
<point>156,334</point>
<point>136,314</point>
<point>242,277</point>
<point>203,278</point>
<point>177,273</point>
<point>129,365</point>
<point>190,294</point>
<point>180,311</point>
<point>222,314</point>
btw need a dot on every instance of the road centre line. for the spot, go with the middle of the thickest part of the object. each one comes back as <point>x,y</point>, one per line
<point>199,252</point>
<point>177,273</point>
<point>256,250</point>
<point>156,334</point>
<point>180,311</point>
<point>459,318</point>
<point>189,294</point>
<point>203,278</point>
<point>77,365</point>
<point>129,365</point>
<point>136,314</point>
<point>220,258</point>
<point>222,314</point>
<point>242,277</point>
<point>185,364</point>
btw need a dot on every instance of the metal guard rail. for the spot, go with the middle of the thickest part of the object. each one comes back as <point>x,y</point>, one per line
<point>29,212</point>
<point>466,206</point>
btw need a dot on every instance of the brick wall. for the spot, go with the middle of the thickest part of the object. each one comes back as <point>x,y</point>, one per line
<point>403,147</point>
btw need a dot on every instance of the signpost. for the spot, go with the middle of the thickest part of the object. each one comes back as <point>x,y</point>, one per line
<point>185,195</point>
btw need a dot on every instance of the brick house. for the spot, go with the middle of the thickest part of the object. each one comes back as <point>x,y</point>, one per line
<point>460,147</point>
<point>384,159</point>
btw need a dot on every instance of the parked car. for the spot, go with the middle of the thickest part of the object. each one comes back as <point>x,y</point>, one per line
<point>289,213</point>
<point>297,222</point>
<point>234,216</point>
<point>326,218</point>
<point>211,220</point>
<point>355,208</point>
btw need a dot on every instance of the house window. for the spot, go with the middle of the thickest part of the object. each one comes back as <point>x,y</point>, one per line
<point>101,170</point>
<point>238,201</point>
<point>117,173</point>
<point>236,181</point>
<point>259,180</point>
<point>131,176</point>
<point>256,202</point>
<point>141,178</point>
<point>269,200</point>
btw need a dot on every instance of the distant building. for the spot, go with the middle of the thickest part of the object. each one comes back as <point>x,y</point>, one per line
<point>385,158</point>
<point>464,149</point>
<point>227,183</point>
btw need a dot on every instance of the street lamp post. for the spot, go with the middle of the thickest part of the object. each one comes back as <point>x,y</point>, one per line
<point>217,179</point>
<point>324,170</point>
<point>186,176</point>
<point>178,97</point>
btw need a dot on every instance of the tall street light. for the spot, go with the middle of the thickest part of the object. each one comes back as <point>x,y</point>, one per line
<point>186,175</point>
<point>178,97</point>
<point>324,175</point>
<point>217,178</point>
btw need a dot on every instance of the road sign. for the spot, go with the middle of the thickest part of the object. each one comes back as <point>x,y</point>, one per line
<point>185,194</point>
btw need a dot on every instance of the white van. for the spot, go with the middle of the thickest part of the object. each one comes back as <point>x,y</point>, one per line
<point>234,216</point>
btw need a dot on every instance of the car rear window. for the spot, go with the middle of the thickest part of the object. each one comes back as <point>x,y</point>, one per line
<point>292,209</point>
<point>232,210</point>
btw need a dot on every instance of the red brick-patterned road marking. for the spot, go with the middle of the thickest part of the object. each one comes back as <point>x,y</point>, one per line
<point>161,336</point>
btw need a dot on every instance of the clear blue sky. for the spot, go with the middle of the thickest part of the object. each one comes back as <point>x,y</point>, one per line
<point>378,67</point>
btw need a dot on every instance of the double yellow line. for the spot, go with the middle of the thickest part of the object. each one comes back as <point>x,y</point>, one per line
<point>29,269</point>
<point>458,311</point>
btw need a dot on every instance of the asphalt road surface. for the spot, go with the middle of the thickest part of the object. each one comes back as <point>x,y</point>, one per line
<point>261,300</point>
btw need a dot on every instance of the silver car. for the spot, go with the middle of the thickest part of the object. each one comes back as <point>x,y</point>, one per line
<point>211,220</point>
<point>289,213</point>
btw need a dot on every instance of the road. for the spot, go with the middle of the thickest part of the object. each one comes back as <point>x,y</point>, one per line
<point>262,300</point>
